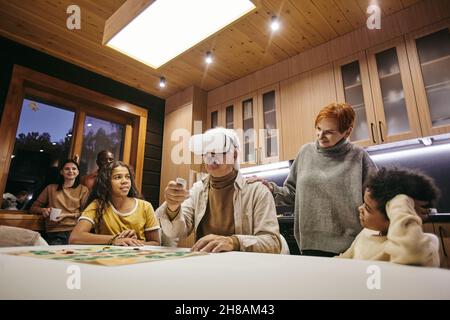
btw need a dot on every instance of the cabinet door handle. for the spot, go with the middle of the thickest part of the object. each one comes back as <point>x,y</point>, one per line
<point>260,155</point>
<point>371,129</point>
<point>381,131</point>
<point>441,235</point>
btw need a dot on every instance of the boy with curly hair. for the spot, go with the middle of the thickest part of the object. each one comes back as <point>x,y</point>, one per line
<point>396,202</point>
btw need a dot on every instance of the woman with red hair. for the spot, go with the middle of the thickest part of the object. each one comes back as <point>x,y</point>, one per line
<point>325,184</point>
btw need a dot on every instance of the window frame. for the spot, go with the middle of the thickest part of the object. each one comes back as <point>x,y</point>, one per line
<point>27,83</point>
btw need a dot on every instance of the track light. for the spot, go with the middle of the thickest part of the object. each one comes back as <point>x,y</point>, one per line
<point>275,24</point>
<point>162,82</point>
<point>209,58</point>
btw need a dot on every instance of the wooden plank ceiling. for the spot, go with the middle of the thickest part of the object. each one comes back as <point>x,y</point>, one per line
<point>242,48</point>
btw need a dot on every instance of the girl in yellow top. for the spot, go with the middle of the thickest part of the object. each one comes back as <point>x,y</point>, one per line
<point>116,213</point>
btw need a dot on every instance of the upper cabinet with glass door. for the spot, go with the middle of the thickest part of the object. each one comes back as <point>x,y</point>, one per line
<point>429,55</point>
<point>214,114</point>
<point>269,124</point>
<point>393,94</point>
<point>353,87</point>
<point>223,115</point>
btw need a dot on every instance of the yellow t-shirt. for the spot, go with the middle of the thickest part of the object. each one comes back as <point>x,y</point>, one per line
<point>140,219</point>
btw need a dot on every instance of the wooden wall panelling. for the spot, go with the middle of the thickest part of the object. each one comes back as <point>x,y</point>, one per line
<point>178,119</point>
<point>296,113</point>
<point>408,3</point>
<point>352,12</point>
<point>316,19</point>
<point>179,100</point>
<point>334,16</point>
<point>323,87</point>
<point>387,6</point>
<point>418,83</point>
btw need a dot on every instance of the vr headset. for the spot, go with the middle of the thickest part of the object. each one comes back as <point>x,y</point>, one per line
<point>201,144</point>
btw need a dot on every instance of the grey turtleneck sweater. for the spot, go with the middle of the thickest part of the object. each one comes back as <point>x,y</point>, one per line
<point>326,185</point>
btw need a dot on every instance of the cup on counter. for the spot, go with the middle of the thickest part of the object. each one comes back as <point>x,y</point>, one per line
<point>55,213</point>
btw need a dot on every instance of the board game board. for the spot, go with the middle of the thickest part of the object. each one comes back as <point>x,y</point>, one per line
<point>107,256</point>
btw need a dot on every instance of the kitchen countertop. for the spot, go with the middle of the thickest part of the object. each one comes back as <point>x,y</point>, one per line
<point>435,218</point>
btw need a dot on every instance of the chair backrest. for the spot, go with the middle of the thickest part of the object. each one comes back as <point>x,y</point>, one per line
<point>18,237</point>
<point>284,246</point>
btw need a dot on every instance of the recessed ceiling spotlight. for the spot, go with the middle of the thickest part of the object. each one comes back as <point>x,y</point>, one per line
<point>209,58</point>
<point>275,24</point>
<point>162,82</point>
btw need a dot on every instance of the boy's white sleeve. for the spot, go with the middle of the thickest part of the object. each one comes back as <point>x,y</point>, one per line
<point>350,252</point>
<point>406,242</point>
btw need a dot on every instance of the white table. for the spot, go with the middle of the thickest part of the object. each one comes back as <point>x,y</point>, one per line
<point>223,276</point>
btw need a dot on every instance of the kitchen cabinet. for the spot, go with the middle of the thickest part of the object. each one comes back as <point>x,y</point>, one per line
<point>429,56</point>
<point>256,119</point>
<point>442,230</point>
<point>440,226</point>
<point>378,84</point>
<point>353,86</point>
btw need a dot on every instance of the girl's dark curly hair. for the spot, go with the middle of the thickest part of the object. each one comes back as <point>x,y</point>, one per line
<point>102,190</point>
<point>60,180</point>
<point>387,183</point>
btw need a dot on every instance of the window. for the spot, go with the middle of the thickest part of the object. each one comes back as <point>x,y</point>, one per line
<point>43,140</point>
<point>46,120</point>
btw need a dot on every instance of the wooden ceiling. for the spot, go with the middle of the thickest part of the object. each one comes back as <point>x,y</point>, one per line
<point>242,48</point>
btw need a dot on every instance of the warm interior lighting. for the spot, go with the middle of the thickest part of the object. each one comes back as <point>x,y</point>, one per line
<point>162,82</point>
<point>265,167</point>
<point>275,24</point>
<point>208,58</point>
<point>167,28</point>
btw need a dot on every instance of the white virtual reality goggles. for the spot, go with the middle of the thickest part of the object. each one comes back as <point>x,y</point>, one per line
<point>216,142</point>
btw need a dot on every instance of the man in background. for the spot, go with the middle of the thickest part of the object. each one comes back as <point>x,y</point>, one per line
<point>104,158</point>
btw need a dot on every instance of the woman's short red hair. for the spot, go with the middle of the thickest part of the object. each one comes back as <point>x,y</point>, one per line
<point>343,112</point>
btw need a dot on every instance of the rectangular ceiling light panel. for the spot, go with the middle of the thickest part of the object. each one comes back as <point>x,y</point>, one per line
<point>168,28</point>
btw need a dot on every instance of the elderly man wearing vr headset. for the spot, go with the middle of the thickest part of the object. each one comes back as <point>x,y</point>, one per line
<point>224,212</point>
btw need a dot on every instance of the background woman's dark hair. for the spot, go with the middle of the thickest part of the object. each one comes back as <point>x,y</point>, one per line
<point>60,180</point>
<point>102,191</point>
<point>387,183</point>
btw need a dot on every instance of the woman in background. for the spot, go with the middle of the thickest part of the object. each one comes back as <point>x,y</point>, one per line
<point>325,184</point>
<point>69,196</point>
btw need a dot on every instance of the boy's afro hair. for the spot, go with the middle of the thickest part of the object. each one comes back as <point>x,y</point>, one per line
<point>387,183</point>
